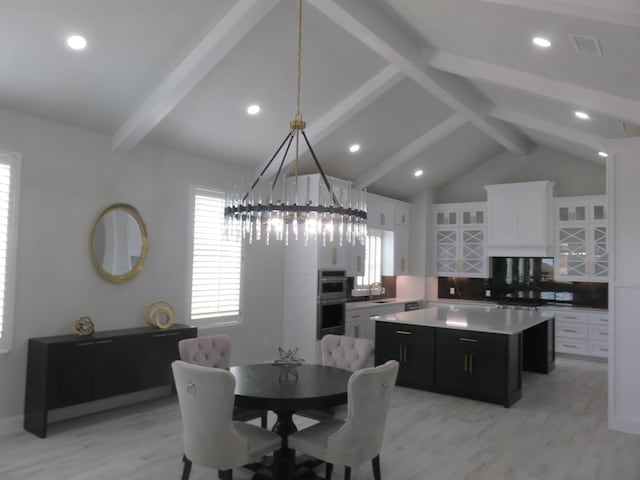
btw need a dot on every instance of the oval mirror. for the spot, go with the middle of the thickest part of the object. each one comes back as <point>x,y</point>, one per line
<point>119,243</point>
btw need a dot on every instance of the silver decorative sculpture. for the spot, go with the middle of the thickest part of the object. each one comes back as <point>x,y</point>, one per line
<point>288,362</point>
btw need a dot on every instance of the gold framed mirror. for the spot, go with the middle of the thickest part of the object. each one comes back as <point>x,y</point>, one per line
<point>119,243</point>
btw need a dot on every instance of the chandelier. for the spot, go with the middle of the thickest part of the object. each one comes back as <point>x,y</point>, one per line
<point>288,208</point>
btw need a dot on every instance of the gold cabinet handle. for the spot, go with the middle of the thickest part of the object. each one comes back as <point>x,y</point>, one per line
<point>404,332</point>
<point>404,220</point>
<point>471,363</point>
<point>359,263</point>
<point>569,346</point>
<point>568,330</point>
<point>402,264</point>
<point>465,339</point>
<point>334,255</point>
<point>356,332</point>
<point>465,362</point>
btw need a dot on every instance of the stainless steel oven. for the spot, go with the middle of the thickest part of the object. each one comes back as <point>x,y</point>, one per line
<point>332,300</point>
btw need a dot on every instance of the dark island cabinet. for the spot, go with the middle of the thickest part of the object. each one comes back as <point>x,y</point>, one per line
<point>412,347</point>
<point>68,370</point>
<point>482,366</point>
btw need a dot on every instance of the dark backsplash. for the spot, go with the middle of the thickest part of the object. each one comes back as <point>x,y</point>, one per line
<point>526,278</point>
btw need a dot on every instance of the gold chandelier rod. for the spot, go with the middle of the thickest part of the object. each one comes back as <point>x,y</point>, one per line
<point>297,123</point>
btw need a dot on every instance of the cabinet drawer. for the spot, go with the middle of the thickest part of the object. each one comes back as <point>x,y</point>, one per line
<point>598,349</point>
<point>571,317</point>
<point>572,330</point>
<point>599,319</point>
<point>387,329</point>
<point>570,345</point>
<point>479,339</point>
<point>597,332</point>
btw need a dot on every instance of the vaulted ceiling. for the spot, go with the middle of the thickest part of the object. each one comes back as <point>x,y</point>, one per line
<point>436,85</point>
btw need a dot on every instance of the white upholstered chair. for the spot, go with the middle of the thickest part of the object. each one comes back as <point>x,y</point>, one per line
<point>215,351</point>
<point>349,353</point>
<point>357,439</point>
<point>211,438</point>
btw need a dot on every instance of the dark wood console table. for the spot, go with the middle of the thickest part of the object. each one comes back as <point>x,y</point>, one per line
<point>68,370</point>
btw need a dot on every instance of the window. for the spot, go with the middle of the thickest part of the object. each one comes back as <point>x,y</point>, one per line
<point>9,181</point>
<point>373,261</point>
<point>217,262</point>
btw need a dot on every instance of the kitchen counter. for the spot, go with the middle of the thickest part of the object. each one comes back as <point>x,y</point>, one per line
<point>471,318</point>
<point>361,305</point>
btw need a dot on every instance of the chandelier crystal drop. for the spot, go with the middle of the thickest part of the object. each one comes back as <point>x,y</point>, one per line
<point>299,207</point>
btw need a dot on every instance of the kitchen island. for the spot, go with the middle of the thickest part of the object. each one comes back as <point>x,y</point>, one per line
<point>471,351</point>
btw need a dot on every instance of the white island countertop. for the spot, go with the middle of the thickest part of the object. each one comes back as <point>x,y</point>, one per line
<point>471,318</point>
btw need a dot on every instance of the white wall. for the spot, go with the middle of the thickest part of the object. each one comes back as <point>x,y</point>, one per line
<point>572,176</point>
<point>68,176</point>
<point>419,231</point>
<point>624,291</point>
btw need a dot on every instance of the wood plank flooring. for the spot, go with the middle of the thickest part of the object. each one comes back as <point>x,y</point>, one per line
<point>558,431</point>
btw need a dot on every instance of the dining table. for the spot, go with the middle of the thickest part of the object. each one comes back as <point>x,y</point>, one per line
<point>286,390</point>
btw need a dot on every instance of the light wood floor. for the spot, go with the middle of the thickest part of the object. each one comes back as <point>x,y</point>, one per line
<point>557,431</point>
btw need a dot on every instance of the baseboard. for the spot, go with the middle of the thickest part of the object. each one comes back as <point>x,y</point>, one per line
<point>625,424</point>
<point>10,425</point>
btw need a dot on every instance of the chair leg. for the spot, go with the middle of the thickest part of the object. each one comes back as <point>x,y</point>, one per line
<point>263,420</point>
<point>186,470</point>
<point>225,474</point>
<point>375,462</point>
<point>347,473</point>
<point>328,471</point>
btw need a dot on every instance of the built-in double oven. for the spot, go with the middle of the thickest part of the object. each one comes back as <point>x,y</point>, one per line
<point>332,299</point>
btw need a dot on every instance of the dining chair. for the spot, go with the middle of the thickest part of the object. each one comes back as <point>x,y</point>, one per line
<point>211,438</point>
<point>348,353</point>
<point>215,351</point>
<point>357,439</point>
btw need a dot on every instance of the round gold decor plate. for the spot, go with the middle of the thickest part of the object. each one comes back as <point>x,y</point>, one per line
<point>160,315</point>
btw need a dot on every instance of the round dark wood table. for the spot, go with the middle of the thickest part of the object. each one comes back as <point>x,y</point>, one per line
<point>270,387</point>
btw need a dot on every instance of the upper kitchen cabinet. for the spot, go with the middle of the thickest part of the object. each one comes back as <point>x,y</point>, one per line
<point>582,252</point>
<point>380,212</point>
<point>460,239</point>
<point>520,222</point>
<point>402,214</point>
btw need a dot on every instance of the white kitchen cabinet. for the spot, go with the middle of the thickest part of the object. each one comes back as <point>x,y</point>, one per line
<point>402,214</point>
<point>332,255</point>
<point>520,220</point>
<point>401,251</point>
<point>582,333</point>
<point>460,240</point>
<point>380,212</point>
<point>355,259</point>
<point>582,252</point>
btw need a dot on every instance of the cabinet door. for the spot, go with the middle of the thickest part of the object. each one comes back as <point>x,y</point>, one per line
<point>161,350</point>
<point>401,251</point>
<point>356,259</point>
<point>446,251</point>
<point>569,211</point>
<point>402,214</point>
<point>70,373</point>
<point>446,216</point>
<point>417,365</point>
<point>472,250</point>
<point>487,373</point>
<point>452,365</point>
<point>115,371</point>
<point>473,216</point>
<point>331,255</point>
<point>571,252</point>
<point>599,252</point>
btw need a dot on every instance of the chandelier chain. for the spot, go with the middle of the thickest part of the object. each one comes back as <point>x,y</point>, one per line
<point>298,116</point>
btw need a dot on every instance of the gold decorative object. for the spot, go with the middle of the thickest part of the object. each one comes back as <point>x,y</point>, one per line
<point>83,326</point>
<point>119,243</point>
<point>160,315</point>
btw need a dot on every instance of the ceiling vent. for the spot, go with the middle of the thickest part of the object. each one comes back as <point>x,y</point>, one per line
<point>586,45</point>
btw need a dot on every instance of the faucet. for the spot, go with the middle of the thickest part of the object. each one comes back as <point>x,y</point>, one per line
<point>375,286</point>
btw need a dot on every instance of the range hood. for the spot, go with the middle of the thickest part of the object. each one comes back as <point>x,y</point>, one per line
<point>520,220</point>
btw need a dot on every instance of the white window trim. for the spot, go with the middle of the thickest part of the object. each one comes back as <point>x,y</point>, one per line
<point>211,322</point>
<point>15,161</point>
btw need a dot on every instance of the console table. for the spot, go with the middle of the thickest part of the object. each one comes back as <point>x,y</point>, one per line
<point>68,370</point>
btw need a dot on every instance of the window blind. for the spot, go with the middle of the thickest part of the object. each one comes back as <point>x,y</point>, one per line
<point>373,263</point>
<point>9,175</point>
<point>217,261</point>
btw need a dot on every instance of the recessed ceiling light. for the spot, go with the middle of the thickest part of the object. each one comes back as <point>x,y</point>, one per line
<point>354,148</point>
<point>253,109</point>
<point>77,42</point>
<point>541,42</point>
<point>417,173</point>
<point>581,115</point>
<point>603,154</point>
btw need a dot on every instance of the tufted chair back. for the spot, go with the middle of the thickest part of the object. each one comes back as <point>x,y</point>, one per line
<point>213,351</point>
<point>346,352</point>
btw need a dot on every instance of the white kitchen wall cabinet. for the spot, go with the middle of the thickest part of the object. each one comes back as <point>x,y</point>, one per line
<point>460,239</point>
<point>381,212</point>
<point>520,221</point>
<point>401,251</point>
<point>355,259</point>
<point>402,214</point>
<point>582,252</point>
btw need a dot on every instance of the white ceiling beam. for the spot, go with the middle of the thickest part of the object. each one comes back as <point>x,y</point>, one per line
<point>412,150</point>
<point>620,12</point>
<point>623,145</point>
<point>363,20</point>
<point>239,21</point>
<point>572,135</point>
<point>585,98</point>
<point>340,113</point>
